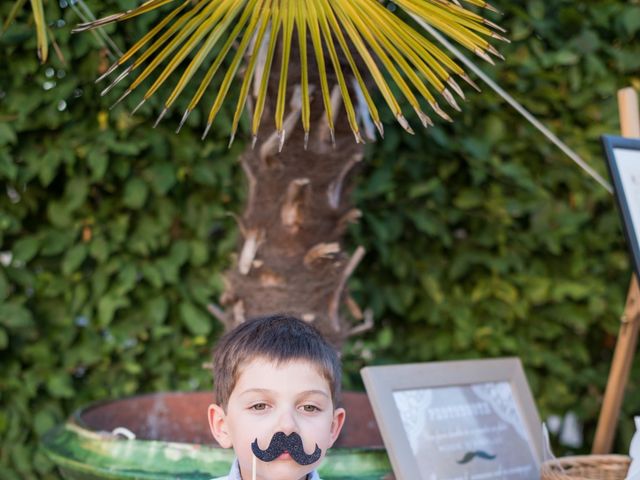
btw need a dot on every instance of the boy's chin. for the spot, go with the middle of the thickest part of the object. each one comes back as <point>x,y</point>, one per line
<point>281,470</point>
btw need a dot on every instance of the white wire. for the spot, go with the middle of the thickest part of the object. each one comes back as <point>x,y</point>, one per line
<point>99,33</point>
<point>125,432</point>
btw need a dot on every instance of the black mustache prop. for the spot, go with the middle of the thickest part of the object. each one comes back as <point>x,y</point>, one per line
<point>291,444</point>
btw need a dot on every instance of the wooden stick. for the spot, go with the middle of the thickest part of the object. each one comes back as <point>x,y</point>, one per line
<point>253,469</point>
<point>619,374</point>
<point>629,112</point>
<point>628,334</point>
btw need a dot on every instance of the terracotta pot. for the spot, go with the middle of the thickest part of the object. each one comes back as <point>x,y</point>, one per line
<point>172,441</point>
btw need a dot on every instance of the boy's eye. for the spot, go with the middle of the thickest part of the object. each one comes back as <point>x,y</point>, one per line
<point>310,408</point>
<point>259,406</point>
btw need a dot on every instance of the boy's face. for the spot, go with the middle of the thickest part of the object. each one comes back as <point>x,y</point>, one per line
<point>270,398</point>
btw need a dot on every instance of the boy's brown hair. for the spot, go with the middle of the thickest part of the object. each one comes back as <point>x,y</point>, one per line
<point>278,338</point>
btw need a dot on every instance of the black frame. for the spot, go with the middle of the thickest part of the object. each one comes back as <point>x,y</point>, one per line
<point>609,144</point>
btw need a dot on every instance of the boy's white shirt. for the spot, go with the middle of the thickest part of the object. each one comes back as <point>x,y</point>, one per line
<point>234,473</point>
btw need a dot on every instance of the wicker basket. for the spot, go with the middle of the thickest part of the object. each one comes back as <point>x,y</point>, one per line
<point>586,467</point>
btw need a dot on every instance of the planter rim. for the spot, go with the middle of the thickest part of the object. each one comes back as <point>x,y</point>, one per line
<point>81,451</point>
<point>82,431</point>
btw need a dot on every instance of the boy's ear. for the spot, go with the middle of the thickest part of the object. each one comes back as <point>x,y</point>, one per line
<point>339,415</point>
<point>218,425</point>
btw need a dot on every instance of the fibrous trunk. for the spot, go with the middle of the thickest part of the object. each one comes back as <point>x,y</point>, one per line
<point>291,258</point>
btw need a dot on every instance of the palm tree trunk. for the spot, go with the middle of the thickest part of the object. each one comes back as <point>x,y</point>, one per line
<point>291,257</point>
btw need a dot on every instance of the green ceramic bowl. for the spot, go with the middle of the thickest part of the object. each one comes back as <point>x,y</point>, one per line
<point>172,441</point>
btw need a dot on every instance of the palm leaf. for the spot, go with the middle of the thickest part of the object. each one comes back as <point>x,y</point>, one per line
<point>311,20</point>
<point>266,70</point>
<point>41,30</point>
<point>326,33</point>
<point>360,32</point>
<point>246,83</point>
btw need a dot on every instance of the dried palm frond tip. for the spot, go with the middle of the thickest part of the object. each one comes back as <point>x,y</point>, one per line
<point>382,40</point>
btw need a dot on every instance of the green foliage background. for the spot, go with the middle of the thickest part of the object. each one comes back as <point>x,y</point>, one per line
<point>483,240</point>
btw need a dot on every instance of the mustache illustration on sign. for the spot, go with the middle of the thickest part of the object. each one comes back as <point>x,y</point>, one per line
<point>291,444</point>
<point>478,453</point>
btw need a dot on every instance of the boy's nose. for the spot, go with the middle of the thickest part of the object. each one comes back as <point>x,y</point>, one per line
<point>287,422</point>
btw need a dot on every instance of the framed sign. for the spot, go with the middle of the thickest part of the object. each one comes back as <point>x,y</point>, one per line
<point>623,161</point>
<point>462,420</point>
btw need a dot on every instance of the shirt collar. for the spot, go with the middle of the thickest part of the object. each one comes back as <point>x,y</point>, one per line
<point>234,473</point>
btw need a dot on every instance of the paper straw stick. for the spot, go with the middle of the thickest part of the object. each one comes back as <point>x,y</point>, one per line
<point>253,473</point>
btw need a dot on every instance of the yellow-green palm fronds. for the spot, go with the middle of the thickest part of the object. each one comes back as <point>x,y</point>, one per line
<point>41,30</point>
<point>352,41</point>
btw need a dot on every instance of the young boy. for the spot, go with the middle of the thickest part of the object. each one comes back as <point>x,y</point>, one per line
<point>277,382</point>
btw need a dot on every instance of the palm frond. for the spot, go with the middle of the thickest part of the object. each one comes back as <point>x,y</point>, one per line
<point>44,31</point>
<point>41,30</point>
<point>360,33</point>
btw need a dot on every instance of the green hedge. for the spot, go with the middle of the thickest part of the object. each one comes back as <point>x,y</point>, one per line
<point>482,239</point>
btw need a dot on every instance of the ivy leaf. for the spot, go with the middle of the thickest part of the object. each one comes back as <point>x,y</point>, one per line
<point>7,134</point>
<point>205,174</point>
<point>43,421</point>
<point>199,253</point>
<point>170,270</point>
<point>59,214</point>
<point>14,316</point>
<point>566,57</point>
<point>98,161</point>
<point>631,20</point>
<point>8,168</point>
<point>99,248</point>
<point>196,321</point>
<point>135,193</point>
<point>74,258</point>
<point>59,385</point>
<point>4,286</point>
<point>76,193</point>
<point>469,199</point>
<point>161,176</point>
<point>126,278</point>
<point>152,274</point>
<point>25,248</point>
<point>156,309</point>
<point>56,241</point>
<point>179,252</point>
<point>4,341</point>
<point>46,166</point>
<point>108,305</point>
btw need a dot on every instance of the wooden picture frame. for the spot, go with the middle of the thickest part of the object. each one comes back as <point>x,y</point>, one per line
<point>623,161</point>
<point>459,420</point>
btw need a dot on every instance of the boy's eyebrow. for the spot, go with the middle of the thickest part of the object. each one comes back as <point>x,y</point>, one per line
<point>267,391</point>
<point>256,390</point>
<point>319,392</point>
